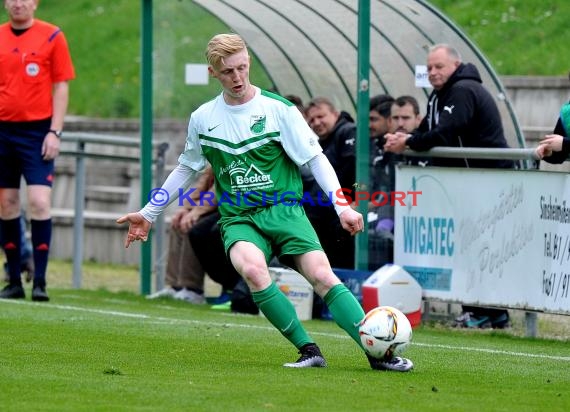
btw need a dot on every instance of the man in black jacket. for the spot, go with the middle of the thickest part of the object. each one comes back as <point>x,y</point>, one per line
<point>555,147</point>
<point>381,164</point>
<point>460,113</point>
<point>337,137</point>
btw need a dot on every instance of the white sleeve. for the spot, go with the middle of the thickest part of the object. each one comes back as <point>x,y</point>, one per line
<point>299,141</point>
<point>327,179</point>
<point>192,155</point>
<point>179,179</point>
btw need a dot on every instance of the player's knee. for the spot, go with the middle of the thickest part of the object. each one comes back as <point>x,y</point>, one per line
<point>255,275</point>
<point>10,206</point>
<point>324,280</point>
<point>39,207</point>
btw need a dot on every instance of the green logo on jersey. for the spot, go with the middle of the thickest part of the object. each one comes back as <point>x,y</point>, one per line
<point>257,124</point>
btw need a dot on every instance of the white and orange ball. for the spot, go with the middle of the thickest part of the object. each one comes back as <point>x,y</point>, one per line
<point>385,332</point>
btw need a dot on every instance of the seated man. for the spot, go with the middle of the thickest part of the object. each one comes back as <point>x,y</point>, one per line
<point>184,273</point>
<point>555,147</point>
<point>337,136</point>
<point>460,113</point>
<point>381,179</point>
<point>206,240</point>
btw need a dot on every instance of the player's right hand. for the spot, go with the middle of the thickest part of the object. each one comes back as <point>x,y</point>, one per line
<point>138,227</point>
<point>352,221</point>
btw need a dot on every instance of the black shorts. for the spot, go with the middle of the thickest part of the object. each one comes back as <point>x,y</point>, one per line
<point>21,154</point>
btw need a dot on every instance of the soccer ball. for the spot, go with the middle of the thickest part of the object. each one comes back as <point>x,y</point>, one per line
<point>385,332</point>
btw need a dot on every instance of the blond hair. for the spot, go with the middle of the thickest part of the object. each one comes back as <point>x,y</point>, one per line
<point>223,45</point>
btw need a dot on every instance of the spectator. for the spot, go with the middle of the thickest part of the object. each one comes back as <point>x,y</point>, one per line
<point>555,147</point>
<point>381,163</point>
<point>337,136</point>
<point>35,70</point>
<point>405,115</point>
<point>196,248</point>
<point>318,303</point>
<point>184,273</point>
<point>256,141</point>
<point>387,115</point>
<point>381,179</point>
<point>206,240</point>
<point>400,115</point>
<point>460,113</point>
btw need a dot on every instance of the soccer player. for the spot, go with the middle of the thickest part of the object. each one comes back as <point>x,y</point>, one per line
<point>34,72</point>
<point>255,142</point>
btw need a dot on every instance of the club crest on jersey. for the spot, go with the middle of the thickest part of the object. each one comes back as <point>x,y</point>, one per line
<point>257,123</point>
<point>32,69</point>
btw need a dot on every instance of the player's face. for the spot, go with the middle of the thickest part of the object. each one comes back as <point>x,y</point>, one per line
<point>233,75</point>
<point>440,66</point>
<point>404,119</point>
<point>322,119</point>
<point>378,125</point>
<point>21,11</point>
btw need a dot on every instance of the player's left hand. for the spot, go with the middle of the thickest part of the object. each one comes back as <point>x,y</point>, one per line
<point>138,227</point>
<point>50,147</point>
<point>352,221</point>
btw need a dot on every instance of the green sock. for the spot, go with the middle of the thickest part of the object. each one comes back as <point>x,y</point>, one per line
<point>279,310</point>
<point>345,310</point>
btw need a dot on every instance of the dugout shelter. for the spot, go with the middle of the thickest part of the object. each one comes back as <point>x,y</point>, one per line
<point>347,50</point>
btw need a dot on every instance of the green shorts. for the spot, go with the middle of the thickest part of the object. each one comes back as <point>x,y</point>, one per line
<point>278,230</point>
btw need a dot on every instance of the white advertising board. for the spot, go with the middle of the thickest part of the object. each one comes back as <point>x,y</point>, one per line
<point>488,237</point>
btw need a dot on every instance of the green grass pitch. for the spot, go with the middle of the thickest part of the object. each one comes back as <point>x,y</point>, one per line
<point>104,351</point>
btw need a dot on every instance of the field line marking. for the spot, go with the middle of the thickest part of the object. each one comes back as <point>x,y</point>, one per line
<point>494,351</point>
<point>243,325</point>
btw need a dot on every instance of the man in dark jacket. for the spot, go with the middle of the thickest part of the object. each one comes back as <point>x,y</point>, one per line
<point>555,147</point>
<point>381,164</point>
<point>460,113</point>
<point>337,137</point>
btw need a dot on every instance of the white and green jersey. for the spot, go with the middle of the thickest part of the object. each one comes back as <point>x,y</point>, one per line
<point>254,149</point>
